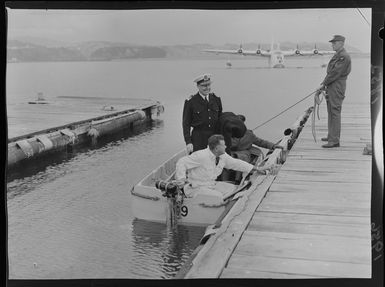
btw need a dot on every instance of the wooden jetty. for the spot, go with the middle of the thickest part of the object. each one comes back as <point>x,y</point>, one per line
<point>311,220</point>
<point>40,129</point>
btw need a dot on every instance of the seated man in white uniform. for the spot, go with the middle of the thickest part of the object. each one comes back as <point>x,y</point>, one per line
<point>201,168</point>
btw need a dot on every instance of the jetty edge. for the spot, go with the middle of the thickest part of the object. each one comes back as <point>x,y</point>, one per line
<point>229,227</point>
<point>31,146</point>
<point>314,221</point>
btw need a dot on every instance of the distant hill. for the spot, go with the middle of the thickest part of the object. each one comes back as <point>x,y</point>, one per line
<point>20,50</point>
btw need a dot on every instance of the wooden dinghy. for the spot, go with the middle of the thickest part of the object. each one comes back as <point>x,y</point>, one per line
<point>158,198</point>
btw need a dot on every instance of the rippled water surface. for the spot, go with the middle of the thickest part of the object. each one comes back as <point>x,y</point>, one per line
<point>71,218</point>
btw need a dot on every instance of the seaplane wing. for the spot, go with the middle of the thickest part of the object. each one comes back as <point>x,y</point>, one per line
<point>313,52</point>
<point>257,52</point>
<point>240,51</point>
<point>234,52</point>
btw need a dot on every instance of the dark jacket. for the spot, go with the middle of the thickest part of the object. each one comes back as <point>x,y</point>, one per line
<point>230,125</point>
<point>338,68</point>
<point>247,141</point>
<point>200,115</point>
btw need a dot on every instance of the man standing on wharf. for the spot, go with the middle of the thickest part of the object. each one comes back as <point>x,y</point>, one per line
<point>200,112</point>
<point>335,85</point>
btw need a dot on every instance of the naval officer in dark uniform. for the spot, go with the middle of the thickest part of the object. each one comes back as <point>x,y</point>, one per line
<point>200,113</point>
<point>334,84</point>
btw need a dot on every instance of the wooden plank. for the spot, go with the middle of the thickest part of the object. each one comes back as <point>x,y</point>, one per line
<point>314,247</point>
<point>353,145</point>
<point>312,195</point>
<point>266,224</point>
<point>341,172</point>
<point>278,217</point>
<point>306,138</point>
<point>314,268</point>
<point>305,198</point>
<point>314,209</point>
<point>334,153</point>
<point>349,187</point>
<point>324,165</point>
<point>235,272</point>
<point>318,176</point>
<point>294,236</point>
<point>332,158</point>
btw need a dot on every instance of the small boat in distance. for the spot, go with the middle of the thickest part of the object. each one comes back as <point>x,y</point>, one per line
<point>40,99</point>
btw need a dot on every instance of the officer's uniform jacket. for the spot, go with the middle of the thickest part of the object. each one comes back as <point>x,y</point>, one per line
<point>201,168</point>
<point>338,68</point>
<point>200,115</point>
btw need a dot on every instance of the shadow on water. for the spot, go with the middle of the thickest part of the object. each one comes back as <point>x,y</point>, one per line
<point>170,247</point>
<point>39,169</point>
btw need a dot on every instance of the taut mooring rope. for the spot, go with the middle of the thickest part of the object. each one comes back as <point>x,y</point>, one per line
<point>284,110</point>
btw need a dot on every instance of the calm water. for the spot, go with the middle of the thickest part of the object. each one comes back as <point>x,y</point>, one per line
<point>72,218</point>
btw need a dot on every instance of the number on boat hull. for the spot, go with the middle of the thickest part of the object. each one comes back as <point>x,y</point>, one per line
<point>184,211</point>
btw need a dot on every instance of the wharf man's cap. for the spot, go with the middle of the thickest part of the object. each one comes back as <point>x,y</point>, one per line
<point>337,38</point>
<point>203,79</point>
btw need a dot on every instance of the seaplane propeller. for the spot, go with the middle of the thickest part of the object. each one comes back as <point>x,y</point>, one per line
<point>297,50</point>
<point>315,50</point>
<point>240,50</point>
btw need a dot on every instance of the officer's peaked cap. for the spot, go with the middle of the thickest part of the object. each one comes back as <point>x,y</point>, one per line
<point>337,38</point>
<point>206,78</point>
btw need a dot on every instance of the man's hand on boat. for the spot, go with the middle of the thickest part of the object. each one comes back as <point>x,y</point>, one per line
<point>266,169</point>
<point>189,148</point>
<point>278,146</point>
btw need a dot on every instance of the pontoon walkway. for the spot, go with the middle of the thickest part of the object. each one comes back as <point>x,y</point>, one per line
<point>314,221</point>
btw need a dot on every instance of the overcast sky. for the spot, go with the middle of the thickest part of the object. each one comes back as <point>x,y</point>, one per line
<point>216,27</point>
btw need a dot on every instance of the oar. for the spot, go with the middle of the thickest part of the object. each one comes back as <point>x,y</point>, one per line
<point>242,185</point>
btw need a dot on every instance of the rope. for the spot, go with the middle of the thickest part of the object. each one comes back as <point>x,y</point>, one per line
<point>284,111</point>
<point>317,102</point>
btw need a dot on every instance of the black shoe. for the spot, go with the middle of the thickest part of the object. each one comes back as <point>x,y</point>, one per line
<point>329,145</point>
<point>324,139</point>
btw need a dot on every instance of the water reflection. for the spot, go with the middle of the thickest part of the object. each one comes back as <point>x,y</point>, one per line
<point>165,247</point>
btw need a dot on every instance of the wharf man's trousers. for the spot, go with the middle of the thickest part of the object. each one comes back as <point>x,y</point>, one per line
<point>335,97</point>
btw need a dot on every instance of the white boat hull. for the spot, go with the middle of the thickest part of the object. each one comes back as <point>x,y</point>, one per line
<point>191,212</point>
<point>147,202</point>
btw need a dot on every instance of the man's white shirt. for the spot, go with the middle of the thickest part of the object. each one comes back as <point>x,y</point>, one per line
<point>202,170</point>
